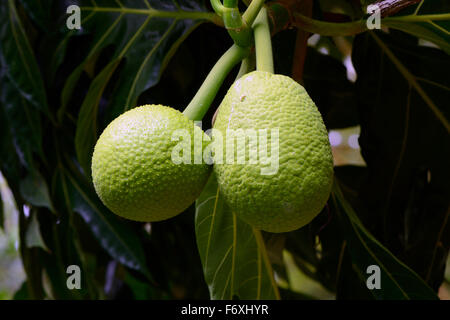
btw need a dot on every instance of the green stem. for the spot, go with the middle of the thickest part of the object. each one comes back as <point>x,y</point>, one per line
<point>239,27</point>
<point>263,43</point>
<point>199,105</point>
<point>202,100</point>
<point>230,3</point>
<point>351,28</point>
<point>330,28</point>
<point>247,65</point>
<point>217,6</point>
<point>252,11</point>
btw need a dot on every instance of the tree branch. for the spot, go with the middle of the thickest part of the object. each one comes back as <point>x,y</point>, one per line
<point>391,7</point>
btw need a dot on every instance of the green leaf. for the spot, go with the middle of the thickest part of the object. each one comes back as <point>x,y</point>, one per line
<point>145,33</point>
<point>398,281</point>
<point>233,254</point>
<point>404,140</point>
<point>429,20</point>
<point>33,237</point>
<point>150,39</point>
<point>35,191</point>
<point>342,7</point>
<point>24,123</point>
<point>436,32</point>
<point>9,161</point>
<point>22,292</point>
<point>18,58</point>
<point>141,290</point>
<point>114,234</point>
<point>86,133</point>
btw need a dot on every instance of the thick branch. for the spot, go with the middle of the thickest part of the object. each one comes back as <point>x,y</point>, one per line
<point>391,7</point>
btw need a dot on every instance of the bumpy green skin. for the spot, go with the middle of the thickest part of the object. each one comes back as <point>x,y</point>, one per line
<point>293,196</point>
<point>132,168</point>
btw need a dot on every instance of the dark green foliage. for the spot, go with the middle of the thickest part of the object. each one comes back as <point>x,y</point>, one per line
<point>60,88</point>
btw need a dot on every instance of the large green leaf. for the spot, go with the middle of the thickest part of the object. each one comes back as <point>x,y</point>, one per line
<point>24,123</point>
<point>9,161</point>
<point>429,20</point>
<point>34,190</point>
<point>405,142</point>
<point>233,254</point>
<point>86,133</point>
<point>398,281</point>
<point>18,58</point>
<point>145,35</point>
<point>115,235</point>
<point>33,237</point>
<point>437,32</point>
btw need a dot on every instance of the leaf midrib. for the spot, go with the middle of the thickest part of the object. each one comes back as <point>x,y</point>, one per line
<point>177,14</point>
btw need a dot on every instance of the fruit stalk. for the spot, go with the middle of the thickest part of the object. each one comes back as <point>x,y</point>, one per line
<point>263,42</point>
<point>230,3</point>
<point>252,11</point>
<point>217,6</point>
<point>202,100</point>
<point>247,65</point>
<point>199,105</point>
<point>238,27</point>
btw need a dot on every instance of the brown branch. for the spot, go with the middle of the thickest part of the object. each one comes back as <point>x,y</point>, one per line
<point>301,45</point>
<point>391,7</point>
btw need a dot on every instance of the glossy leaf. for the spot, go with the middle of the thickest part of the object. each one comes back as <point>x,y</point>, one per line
<point>233,254</point>
<point>24,123</point>
<point>436,32</point>
<point>33,237</point>
<point>397,280</point>
<point>403,200</point>
<point>9,161</point>
<point>18,58</point>
<point>146,38</point>
<point>115,236</point>
<point>86,133</point>
<point>121,57</point>
<point>434,23</point>
<point>35,191</point>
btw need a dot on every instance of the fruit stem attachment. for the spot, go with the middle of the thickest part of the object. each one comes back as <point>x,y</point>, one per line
<point>247,65</point>
<point>263,42</point>
<point>238,27</point>
<point>199,105</point>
